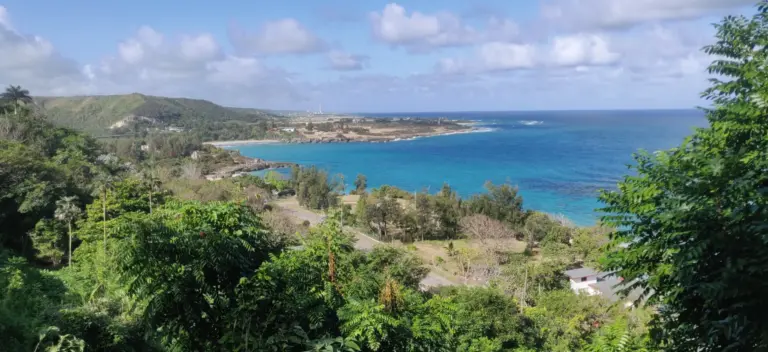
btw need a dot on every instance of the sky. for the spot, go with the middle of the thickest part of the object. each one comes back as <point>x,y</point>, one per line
<point>369,56</point>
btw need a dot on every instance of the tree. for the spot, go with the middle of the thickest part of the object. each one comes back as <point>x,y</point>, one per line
<point>494,237</point>
<point>314,189</point>
<point>16,96</point>
<point>151,182</point>
<point>501,202</point>
<point>380,212</point>
<point>691,224</point>
<point>421,213</point>
<point>187,259</point>
<point>361,183</point>
<point>67,211</point>
<point>47,238</point>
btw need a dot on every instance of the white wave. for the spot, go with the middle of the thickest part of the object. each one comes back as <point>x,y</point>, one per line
<point>531,122</point>
<point>474,130</point>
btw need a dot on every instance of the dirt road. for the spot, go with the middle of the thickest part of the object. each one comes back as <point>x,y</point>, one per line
<point>364,242</point>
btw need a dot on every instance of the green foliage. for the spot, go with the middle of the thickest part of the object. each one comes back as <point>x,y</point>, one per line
<point>361,183</point>
<point>617,337</point>
<point>382,212</point>
<point>28,298</point>
<point>48,239</point>
<point>500,202</point>
<point>16,97</point>
<point>38,165</point>
<point>692,221</point>
<point>526,280</point>
<point>588,242</point>
<point>96,114</point>
<point>276,181</point>
<point>540,227</point>
<point>186,260</point>
<point>314,189</point>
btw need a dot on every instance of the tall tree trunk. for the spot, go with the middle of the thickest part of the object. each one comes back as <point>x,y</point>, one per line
<point>150,200</point>
<point>525,286</point>
<point>69,223</point>
<point>104,220</point>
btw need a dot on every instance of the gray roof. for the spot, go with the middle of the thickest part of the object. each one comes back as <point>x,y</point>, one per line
<point>580,272</point>
<point>609,287</point>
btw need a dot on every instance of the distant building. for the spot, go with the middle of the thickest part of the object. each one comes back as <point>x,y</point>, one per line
<point>175,129</point>
<point>289,129</point>
<point>587,280</point>
<point>581,279</point>
<point>144,148</point>
<point>195,155</point>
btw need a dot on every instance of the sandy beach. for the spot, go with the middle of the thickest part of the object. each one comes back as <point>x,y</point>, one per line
<point>353,137</point>
<point>242,142</point>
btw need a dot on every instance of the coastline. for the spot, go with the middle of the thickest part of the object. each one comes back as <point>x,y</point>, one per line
<point>373,139</point>
<point>220,144</point>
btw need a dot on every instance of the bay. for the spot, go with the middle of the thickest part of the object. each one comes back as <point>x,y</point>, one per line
<point>558,159</point>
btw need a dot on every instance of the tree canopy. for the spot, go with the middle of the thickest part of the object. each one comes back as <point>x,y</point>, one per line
<point>693,220</point>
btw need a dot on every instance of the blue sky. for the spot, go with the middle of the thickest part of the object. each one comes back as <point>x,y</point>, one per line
<point>368,55</point>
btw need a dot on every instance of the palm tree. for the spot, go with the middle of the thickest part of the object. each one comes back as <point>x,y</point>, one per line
<point>67,211</point>
<point>152,182</point>
<point>104,180</point>
<point>16,96</point>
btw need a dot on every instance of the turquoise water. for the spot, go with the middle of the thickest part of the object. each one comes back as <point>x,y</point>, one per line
<point>559,160</point>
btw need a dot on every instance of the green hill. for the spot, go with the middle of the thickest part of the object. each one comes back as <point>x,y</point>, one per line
<point>98,114</point>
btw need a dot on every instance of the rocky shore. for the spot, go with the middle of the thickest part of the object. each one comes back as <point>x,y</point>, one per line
<point>247,165</point>
<point>349,138</point>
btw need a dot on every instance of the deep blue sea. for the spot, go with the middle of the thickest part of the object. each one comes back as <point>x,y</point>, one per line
<point>558,159</point>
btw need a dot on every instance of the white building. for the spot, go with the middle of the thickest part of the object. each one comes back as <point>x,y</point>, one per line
<point>581,279</point>
<point>587,280</point>
<point>289,129</point>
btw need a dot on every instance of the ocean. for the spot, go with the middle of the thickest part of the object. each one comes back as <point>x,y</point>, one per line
<point>558,159</point>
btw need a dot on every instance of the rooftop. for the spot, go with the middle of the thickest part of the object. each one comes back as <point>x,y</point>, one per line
<point>580,272</point>
<point>609,286</point>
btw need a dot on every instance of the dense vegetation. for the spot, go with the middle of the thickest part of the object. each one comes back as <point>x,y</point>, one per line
<point>135,252</point>
<point>99,253</point>
<point>694,220</point>
<point>134,114</point>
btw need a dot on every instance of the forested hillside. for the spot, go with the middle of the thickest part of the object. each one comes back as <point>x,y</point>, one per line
<point>101,114</point>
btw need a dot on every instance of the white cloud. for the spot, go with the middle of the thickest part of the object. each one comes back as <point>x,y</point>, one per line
<point>581,50</point>
<point>32,61</point>
<point>343,61</point>
<point>202,47</point>
<point>394,26</point>
<point>192,66</point>
<point>419,32</point>
<point>504,56</point>
<point>286,36</point>
<point>504,66</point>
<point>622,13</point>
<point>5,20</point>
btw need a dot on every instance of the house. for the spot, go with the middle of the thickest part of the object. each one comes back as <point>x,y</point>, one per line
<point>581,279</point>
<point>144,147</point>
<point>289,129</point>
<point>589,281</point>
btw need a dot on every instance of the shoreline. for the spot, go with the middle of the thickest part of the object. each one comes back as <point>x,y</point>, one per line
<point>244,142</point>
<point>220,144</point>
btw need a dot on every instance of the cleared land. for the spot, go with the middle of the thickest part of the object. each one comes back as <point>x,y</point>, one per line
<point>446,268</point>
